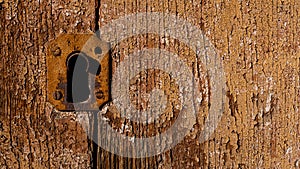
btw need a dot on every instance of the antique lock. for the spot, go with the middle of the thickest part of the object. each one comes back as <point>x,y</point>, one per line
<point>78,72</point>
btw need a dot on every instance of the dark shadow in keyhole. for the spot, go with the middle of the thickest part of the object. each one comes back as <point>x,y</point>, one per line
<point>79,66</point>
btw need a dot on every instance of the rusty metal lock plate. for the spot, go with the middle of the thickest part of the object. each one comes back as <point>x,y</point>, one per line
<point>58,53</point>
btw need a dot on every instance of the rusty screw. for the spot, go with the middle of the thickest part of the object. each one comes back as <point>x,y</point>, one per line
<point>98,50</point>
<point>56,51</point>
<point>57,95</point>
<point>99,95</point>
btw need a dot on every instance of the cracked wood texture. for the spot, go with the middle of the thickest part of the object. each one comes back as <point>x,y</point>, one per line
<point>258,42</point>
<point>32,133</point>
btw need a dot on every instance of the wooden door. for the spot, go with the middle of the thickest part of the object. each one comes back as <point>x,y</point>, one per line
<point>257,42</point>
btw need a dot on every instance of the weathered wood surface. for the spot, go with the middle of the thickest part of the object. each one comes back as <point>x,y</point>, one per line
<point>258,42</point>
<point>259,45</point>
<point>32,133</point>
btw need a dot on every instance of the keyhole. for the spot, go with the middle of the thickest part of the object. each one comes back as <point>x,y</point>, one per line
<point>79,67</point>
<point>77,78</point>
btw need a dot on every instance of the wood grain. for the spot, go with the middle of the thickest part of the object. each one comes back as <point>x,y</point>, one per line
<point>258,41</point>
<point>32,133</point>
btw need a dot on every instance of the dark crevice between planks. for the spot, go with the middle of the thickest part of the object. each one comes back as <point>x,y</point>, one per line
<point>97,17</point>
<point>93,143</point>
<point>94,128</point>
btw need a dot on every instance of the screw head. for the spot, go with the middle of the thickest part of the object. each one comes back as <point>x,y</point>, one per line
<point>56,51</point>
<point>97,50</point>
<point>99,95</point>
<point>57,95</point>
